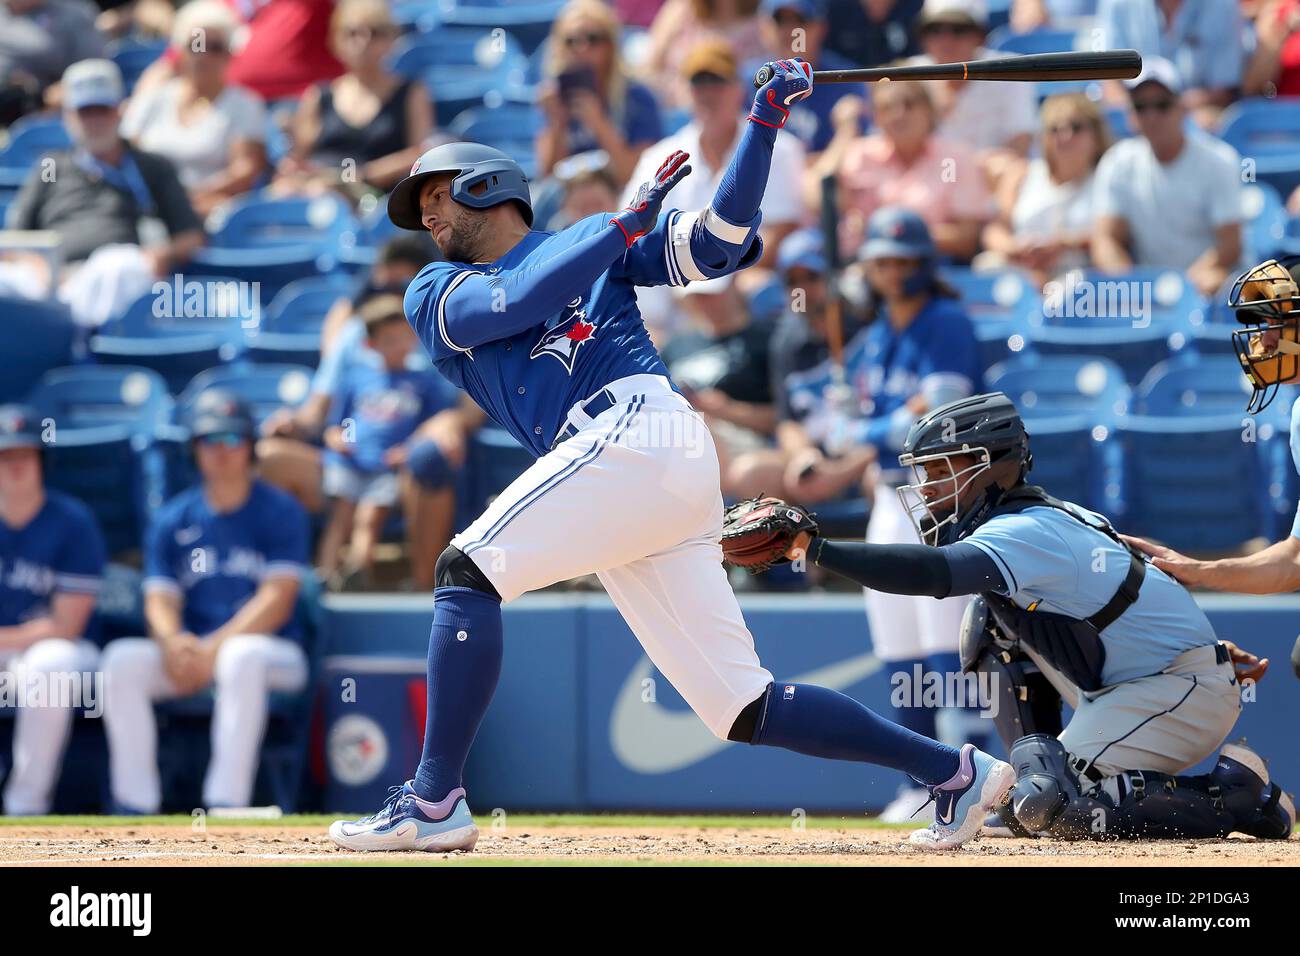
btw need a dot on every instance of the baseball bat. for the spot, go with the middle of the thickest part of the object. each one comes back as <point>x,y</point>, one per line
<point>1031,68</point>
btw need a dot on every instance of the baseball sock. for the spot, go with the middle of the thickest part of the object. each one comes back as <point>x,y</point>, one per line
<point>819,722</point>
<point>908,712</point>
<point>464,664</point>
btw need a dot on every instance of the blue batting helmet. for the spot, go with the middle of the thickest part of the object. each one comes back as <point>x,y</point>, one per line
<point>20,427</point>
<point>474,164</point>
<point>895,232</point>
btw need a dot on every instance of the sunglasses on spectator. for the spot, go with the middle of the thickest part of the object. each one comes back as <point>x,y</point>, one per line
<point>948,29</point>
<point>368,33</point>
<point>704,80</point>
<point>222,440</point>
<point>1153,106</point>
<point>575,40</point>
<point>789,18</point>
<point>1074,127</point>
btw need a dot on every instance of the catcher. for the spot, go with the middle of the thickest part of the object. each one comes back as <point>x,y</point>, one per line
<point>1066,611</point>
<point>1267,303</point>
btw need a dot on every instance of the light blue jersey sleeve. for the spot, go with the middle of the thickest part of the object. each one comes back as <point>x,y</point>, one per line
<point>1030,553</point>
<point>1295,457</point>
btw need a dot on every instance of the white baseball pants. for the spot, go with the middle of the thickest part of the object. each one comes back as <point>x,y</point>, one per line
<point>248,668</point>
<point>41,731</point>
<point>634,498</point>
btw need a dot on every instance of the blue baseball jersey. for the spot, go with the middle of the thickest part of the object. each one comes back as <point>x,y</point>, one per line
<point>216,560</point>
<point>808,397</point>
<point>383,408</point>
<point>1050,560</point>
<point>935,356</point>
<point>1295,457</point>
<point>528,381</point>
<point>59,550</point>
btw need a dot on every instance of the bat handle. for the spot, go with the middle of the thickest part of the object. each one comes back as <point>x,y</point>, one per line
<point>763,76</point>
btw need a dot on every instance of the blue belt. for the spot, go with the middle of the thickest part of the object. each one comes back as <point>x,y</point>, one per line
<point>599,403</point>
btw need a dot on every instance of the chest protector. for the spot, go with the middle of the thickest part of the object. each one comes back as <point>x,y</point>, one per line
<point>1071,645</point>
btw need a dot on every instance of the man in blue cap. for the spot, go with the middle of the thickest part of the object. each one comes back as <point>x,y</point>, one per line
<point>51,563</point>
<point>223,561</point>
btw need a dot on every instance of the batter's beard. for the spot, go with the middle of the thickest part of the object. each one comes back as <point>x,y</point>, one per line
<point>464,240</point>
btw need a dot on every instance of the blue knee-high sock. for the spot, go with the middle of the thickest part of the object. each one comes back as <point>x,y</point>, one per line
<point>916,717</point>
<point>464,664</point>
<point>819,722</point>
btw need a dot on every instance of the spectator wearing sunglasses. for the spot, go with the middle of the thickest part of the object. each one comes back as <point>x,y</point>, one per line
<point>1203,39</point>
<point>589,102</point>
<point>1169,197</point>
<point>997,120</point>
<point>1046,205</point>
<point>213,132</point>
<point>365,128</point>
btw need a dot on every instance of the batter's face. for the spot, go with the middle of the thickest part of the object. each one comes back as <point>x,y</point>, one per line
<point>459,231</point>
<point>20,473</point>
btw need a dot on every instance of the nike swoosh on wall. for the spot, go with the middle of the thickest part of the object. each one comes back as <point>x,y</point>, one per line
<point>649,738</point>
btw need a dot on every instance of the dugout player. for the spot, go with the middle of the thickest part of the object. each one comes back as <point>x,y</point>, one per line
<point>51,565</point>
<point>1267,303</point>
<point>222,562</point>
<point>543,331</point>
<point>1068,611</point>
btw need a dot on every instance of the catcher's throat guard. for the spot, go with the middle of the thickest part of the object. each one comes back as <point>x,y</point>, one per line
<point>1266,300</point>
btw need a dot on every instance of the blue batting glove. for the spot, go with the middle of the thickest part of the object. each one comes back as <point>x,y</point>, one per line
<point>640,217</point>
<point>791,81</point>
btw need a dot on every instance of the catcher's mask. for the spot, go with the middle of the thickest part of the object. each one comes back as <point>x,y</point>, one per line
<point>1266,300</point>
<point>986,428</point>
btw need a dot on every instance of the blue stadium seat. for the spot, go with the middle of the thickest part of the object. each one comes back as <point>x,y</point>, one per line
<point>999,294</point>
<point>272,242</point>
<point>133,57</point>
<point>92,396</point>
<point>1265,233</point>
<point>461,65</point>
<point>1136,319</point>
<point>509,127</point>
<point>38,336</point>
<point>1066,457</point>
<point>1191,481</point>
<point>177,346</point>
<point>1193,385</point>
<point>30,138</point>
<point>1266,131</point>
<point>1059,385</point>
<point>1039,41</point>
<point>527,21</point>
<point>264,387</point>
<point>291,325</point>
<point>359,247</point>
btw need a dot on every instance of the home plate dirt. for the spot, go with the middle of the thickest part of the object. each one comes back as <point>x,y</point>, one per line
<point>233,844</point>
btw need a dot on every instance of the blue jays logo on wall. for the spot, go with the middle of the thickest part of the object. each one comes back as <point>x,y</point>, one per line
<point>563,340</point>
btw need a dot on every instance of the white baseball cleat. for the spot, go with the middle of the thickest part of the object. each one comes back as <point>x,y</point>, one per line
<point>405,822</point>
<point>961,804</point>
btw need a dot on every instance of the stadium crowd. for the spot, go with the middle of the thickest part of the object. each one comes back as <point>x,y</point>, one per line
<point>156,155</point>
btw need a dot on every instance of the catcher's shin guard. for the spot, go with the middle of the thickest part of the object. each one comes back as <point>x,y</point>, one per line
<point>1024,700</point>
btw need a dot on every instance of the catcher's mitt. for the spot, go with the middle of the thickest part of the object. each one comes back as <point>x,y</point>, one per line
<point>757,532</point>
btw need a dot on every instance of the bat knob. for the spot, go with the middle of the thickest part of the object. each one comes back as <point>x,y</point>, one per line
<point>761,78</point>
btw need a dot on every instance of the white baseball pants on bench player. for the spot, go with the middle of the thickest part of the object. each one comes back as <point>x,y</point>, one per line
<point>248,668</point>
<point>41,728</point>
<point>634,498</point>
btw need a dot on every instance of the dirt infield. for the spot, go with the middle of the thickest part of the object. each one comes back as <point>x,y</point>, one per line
<point>545,841</point>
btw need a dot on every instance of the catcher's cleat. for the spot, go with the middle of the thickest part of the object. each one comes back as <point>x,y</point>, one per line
<point>405,822</point>
<point>961,804</point>
<point>757,532</point>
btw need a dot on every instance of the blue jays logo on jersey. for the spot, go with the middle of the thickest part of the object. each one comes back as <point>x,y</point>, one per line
<point>563,340</point>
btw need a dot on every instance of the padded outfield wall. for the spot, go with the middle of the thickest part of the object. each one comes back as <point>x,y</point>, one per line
<point>582,721</point>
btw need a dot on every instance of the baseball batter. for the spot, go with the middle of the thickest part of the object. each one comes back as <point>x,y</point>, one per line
<point>543,331</point>
<point>1066,610</point>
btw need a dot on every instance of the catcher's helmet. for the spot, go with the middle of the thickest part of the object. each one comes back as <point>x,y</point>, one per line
<point>1266,300</point>
<point>218,412</point>
<point>898,233</point>
<point>987,427</point>
<point>475,165</point>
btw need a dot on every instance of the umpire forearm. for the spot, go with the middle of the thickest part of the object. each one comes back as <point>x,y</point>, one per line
<point>1275,570</point>
<point>913,569</point>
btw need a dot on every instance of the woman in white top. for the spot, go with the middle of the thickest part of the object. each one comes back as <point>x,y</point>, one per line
<point>1045,205</point>
<point>214,134</point>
